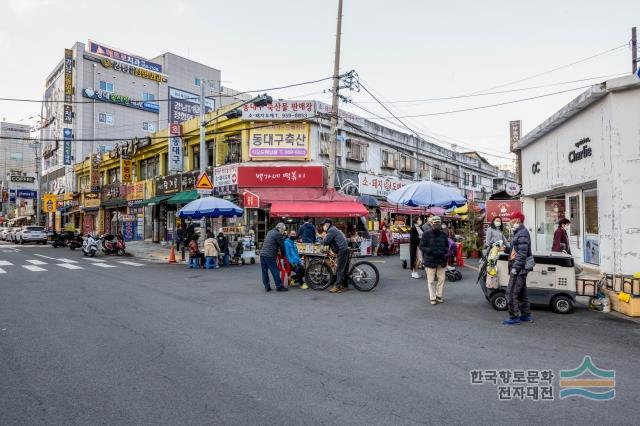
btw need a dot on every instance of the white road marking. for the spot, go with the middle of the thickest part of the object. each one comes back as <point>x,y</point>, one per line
<point>69,266</point>
<point>105,265</point>
<point>2,271</point>
<point>65,260</point>
<point>37,262</point>
<point>126,262</point>
<point>93,260</point>
<point>5,263</point>
<point>45,257</point>
<point>33,268</point>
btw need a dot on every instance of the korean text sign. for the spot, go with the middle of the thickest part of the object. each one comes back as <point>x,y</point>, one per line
<point>175,148</point>
<point>283,176</point>
<point>279,110</point>
<point>379,185</point>
<point>137,61</point>
<point>184,106</point>
<point>280,141</point>
<point>502,209</point>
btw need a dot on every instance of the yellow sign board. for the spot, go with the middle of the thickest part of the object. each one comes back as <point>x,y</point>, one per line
<point>125,170</point>
<point>49,203</point>
<point>287,141</point>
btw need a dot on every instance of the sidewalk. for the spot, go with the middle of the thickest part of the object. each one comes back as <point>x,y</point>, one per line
<point>152,252</point>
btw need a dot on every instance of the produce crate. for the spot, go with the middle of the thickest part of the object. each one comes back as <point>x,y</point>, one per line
<point>587,285</point>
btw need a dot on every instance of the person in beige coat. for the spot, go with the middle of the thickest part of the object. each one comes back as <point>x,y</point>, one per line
<point>211,249</point>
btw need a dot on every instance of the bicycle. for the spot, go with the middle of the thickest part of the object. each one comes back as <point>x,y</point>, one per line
<point>321,272</point>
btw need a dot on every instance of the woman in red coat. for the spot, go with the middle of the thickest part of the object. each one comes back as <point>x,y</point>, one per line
<point>561,238</point>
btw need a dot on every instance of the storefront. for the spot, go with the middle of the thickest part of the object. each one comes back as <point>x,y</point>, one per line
<point>582,164</point>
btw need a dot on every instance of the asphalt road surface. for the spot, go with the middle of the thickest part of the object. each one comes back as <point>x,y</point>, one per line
<point>122,341</point>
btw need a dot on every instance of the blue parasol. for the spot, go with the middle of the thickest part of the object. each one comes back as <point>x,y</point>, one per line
<point>210,207</point>
<point>427,194</point>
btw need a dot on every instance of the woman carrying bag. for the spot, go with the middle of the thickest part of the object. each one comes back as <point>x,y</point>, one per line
<point>414,241</point>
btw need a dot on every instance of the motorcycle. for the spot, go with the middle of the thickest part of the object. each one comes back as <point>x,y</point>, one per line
<point>90,245</point>
<point>113,244</point>
<point>75,241</point>
<point>59,239</point>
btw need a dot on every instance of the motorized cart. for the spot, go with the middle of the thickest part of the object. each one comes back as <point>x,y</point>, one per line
<point>551,283</point>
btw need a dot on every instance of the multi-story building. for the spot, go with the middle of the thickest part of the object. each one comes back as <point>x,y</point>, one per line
<point>16,151</point>
<point>97,95</point>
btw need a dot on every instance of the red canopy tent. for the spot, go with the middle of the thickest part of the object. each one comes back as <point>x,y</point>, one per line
<point>330,204</point>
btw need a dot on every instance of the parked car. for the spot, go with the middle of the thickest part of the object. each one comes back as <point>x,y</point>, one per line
<point>11,234</point>
<point>3,232</point>
<point>35,234</point>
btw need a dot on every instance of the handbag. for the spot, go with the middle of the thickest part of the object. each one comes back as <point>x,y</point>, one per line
<point>530,263</point>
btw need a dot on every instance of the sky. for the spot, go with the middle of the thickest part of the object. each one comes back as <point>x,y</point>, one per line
<point>402,50</point>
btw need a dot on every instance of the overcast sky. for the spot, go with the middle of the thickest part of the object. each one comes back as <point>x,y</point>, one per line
<point>402,50</point>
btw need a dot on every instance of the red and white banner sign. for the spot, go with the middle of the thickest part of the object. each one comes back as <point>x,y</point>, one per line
<point>502,209</point>
<point>281,176</point>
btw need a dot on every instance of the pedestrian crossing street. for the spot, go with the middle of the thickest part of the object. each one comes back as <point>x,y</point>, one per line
<point>42,263</point>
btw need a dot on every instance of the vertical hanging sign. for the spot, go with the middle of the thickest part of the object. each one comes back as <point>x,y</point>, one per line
<point>67,135</point>
<point>125,169</point>
<point>68,86</point>
<point>175,148</point>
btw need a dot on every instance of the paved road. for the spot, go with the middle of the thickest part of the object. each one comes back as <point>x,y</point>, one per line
<point>141,343</point>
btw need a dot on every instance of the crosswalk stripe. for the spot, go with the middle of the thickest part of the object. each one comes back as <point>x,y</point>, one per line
<point>36,262</point>
<point>33,268</point>
<point>5,263</point>
<point>69,266</point>
<point>43,256</point>
<point>2,271</point>
<point>126,262</point>
<point>105,265</point>
<point>65,260</point>
<point>91,259</point>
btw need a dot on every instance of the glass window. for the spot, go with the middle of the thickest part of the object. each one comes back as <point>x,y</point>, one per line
<point>114,175</point>
<point>148,97</point>
<point>591,212</point>
<point>195,155</point>
<point>105,118</point>
<point>196,81</point>
<point>574,216</point>
<point>106,86</point>
<point>474,180</point>
<point>148,126</point>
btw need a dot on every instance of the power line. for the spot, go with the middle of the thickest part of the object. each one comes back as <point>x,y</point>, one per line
<point>497,93</point>
<point>485,106</point>
<point>553,69</point>
<point>168,100</point>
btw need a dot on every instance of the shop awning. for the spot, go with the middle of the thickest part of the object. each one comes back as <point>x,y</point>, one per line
<point>110,204</point>
<point>317,209</point>
<point>271,195</point>
<point>184,197</point>
<point>155,200</point>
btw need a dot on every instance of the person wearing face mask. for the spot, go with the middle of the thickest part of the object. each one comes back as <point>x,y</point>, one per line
<point>293,257</point>
<point>493,235</point>
<point>520,250</point>
<point>337,242</point>
<point>561,238</point>
<point>414,243</point>
<point>273,244</point>
<point>435,246</point>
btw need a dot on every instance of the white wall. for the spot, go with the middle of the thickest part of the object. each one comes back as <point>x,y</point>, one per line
<point>613,126</point>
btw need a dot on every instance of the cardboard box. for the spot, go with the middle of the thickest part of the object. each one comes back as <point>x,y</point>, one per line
<point>632,308</point>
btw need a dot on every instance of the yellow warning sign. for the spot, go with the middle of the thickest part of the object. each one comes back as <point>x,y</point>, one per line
<point>204,181</point>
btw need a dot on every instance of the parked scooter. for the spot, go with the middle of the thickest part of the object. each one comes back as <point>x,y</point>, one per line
<point>59,239</point>
<point>113,244</point>
<point>90,245</point>
<point>75,241</point>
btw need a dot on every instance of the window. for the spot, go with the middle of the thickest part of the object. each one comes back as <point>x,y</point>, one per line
<point>474,180</point>
<point>148,126</point>
<point>446,174</point>
<point>406,163</point>
<point>15,156</point>
<point>149,168</point>
<point>466,179</point>
<point>196,81</point>
<point>437,173</point>
<point>195,157</point>
<point>114,175</point>
<point>148,97</point>
<point>325,140</point>
<point>388,159</point>
<point>234,151</point>
<point>105,118</point>
<point>356,150</point>
<point>106,86</point>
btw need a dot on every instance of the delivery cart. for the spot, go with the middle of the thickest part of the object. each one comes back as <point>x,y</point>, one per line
<point>552,282</point>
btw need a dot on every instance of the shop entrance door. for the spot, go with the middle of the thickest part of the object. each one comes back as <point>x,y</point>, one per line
<point>575,228</point>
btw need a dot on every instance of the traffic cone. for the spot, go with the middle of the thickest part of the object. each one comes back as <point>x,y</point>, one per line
<point>172,255</point>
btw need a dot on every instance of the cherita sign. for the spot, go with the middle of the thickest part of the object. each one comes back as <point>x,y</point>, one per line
<point>577,155</point>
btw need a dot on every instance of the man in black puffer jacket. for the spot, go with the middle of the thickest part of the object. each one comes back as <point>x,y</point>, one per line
<point>435,245</point>
<point>520,250</point>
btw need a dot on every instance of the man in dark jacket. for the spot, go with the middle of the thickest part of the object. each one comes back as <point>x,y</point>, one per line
<point>337,242</point>
<point>307,231</point>
<point>273,244</point>
<point>520,250</point>
<point>223,242</point>
<point>435,245</point>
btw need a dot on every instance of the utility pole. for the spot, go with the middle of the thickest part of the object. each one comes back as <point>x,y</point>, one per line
<point>334,102</point>
<point>203,124</point>
<point>634,51</point>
